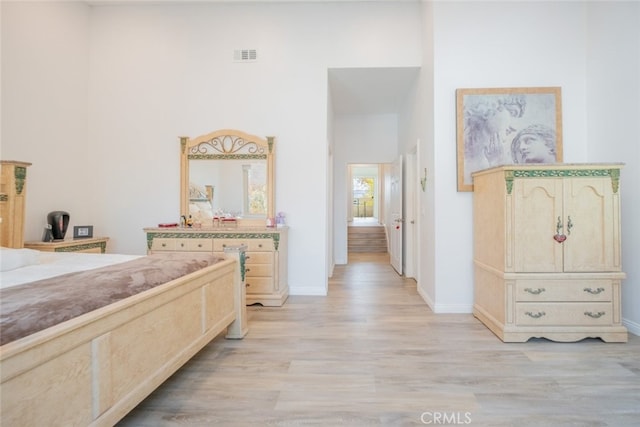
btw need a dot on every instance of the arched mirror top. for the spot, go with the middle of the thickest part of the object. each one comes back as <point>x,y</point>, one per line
<point>227,174</point>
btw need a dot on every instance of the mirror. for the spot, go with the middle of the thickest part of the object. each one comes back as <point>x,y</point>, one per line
<point>227,174</point>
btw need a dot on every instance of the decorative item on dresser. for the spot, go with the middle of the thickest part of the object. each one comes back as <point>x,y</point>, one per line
<point>547,252</point>
<point>88,245</point>
<point>266,255</point>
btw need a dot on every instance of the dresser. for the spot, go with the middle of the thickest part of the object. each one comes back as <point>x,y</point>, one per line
<point>265,262</point>
<point>97,245</point>
<point>547,252</point>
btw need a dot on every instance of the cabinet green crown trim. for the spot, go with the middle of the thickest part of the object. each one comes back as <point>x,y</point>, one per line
<point>510,175</point>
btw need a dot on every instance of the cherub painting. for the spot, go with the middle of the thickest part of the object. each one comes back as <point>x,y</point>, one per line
<point>506,126</point>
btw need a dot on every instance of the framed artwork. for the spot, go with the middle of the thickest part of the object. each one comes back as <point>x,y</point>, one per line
<point>82,231</point>
<point>506,126</point>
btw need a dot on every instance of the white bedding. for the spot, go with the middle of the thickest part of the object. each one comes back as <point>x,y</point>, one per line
<point>50,264</point>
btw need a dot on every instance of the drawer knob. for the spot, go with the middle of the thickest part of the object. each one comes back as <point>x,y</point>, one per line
<point>260,245</point>
<point>594,291</point>
<point>536,315</point>
<point>537,291</point>
<point>594,315</point>
<point>247,269</point>
<point>164,245</point>
<point>199,245</point>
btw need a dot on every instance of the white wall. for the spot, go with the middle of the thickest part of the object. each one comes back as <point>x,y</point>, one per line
<point>45,73</point>
<point>613,92</point>
<point>357,139</point>
<point>584,48</point>
<point>467,55</point>
<point>157,71</point>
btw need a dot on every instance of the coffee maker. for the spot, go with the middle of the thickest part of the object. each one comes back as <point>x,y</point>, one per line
<point>59,221</point>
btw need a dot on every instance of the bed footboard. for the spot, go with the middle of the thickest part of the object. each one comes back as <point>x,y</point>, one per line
<point>94,369</point>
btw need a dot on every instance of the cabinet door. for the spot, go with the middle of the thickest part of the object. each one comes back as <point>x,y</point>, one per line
<point>591,221</point>
<point>537,205</point>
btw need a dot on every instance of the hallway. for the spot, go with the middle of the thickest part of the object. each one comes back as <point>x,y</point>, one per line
<point>372,353</point>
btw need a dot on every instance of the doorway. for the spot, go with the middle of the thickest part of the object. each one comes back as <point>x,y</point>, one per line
<point>364,194</point>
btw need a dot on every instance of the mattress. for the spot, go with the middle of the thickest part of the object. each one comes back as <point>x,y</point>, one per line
<point>31,307</point>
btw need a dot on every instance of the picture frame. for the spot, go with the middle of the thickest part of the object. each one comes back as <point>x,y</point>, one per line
<point>82,231</point>
<point>498,126</point>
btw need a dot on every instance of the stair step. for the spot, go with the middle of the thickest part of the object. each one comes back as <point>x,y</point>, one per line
<point>367,239</point>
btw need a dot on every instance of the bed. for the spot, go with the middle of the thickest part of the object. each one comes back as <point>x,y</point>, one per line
<point>93,366</point>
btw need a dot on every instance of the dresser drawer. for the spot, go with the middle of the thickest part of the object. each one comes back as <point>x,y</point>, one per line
<point>563,290</point>
<point>194,245</point>
<point>259,258</point>
<point>259,285</point>
<point>564,314</point>
<point>161,244</point>
<point>259,270</point>
<point>256,245</point>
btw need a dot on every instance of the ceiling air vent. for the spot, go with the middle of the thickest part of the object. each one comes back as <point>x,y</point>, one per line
<point>245,55</point>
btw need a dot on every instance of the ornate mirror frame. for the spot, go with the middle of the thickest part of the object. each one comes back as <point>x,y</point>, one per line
<point>228,144</point>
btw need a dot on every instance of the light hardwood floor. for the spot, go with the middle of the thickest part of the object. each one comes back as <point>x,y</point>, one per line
<point>372,353</point>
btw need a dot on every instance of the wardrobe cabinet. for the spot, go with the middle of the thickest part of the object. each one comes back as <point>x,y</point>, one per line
<point>265,256</point>
<point>547,259</point>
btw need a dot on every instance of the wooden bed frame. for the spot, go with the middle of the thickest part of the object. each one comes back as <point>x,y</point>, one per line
<point>92,370</point>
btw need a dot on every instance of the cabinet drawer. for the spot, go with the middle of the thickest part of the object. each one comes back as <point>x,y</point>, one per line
<point>259,285</point>
<point>563,290</point>
<point>256,245</point>
<point>182,245</point>
<point>194,245</point>
<point>161,244</point>
<point>564,314</point>
<point>260,258</point>
<point>259,270</point>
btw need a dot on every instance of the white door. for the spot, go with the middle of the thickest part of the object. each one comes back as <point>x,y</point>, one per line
<point>410,224</point>
<point>396,221</point>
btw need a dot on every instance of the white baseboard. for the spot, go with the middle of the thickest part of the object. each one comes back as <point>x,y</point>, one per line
<point>445,308</point>
<point>453,308</point>
<point>308,291</point>
<point>632,327</point>
<point>426,298</point>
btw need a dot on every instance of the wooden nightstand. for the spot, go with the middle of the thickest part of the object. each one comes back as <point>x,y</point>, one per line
<point>97,245</point>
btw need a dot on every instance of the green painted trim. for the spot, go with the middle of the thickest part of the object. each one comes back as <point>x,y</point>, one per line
<point>20,173</point>
<point>560,173</point>
<point>213,235</point>
<point>227,156</point>
<point>243,258</point>
<point>82,247</point>
<point>510,175</point>
<point>615,180</point>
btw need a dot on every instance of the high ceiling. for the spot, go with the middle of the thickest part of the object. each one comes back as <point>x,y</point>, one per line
<point>370,90</point>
